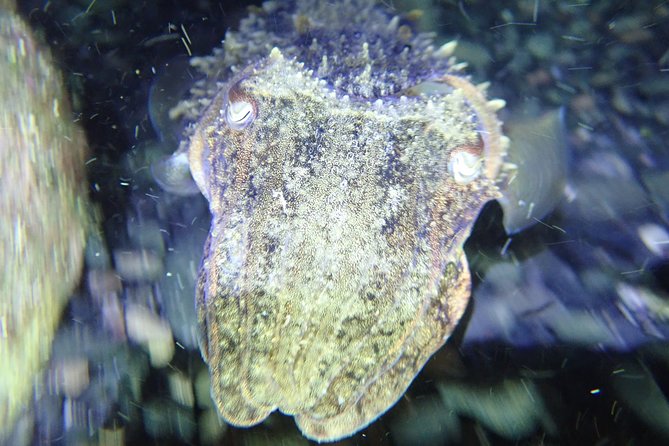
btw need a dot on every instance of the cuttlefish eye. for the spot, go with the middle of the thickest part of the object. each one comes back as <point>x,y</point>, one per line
<point>239,114</point>
<point>465,166</point>
<point>240,110</point>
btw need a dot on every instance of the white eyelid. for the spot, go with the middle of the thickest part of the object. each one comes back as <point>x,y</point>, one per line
<point>464,166</point>
<point>239,114</point>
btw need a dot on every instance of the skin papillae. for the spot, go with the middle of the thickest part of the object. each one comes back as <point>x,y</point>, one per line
<point>43,210</point>
<point>334,266</point>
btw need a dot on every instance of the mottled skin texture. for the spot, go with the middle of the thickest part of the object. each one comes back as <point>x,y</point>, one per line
<point>334,266</point>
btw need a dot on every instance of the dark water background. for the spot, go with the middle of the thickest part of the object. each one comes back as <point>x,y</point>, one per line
<point>566,339</point>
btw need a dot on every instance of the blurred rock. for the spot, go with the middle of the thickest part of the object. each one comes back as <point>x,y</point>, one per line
<point>512,409</point>
<point>271,438</point>
<point>111,437</point>
<point>166,419</point>
<point>639,390</point>
<point>175,289</point>
<point>646,309</point>
<point>76,340</point>
<point>476,55</point>
<point>657,183</point>
<point>632,28</point>
<point>518,303</point>
<point>138,265</point>
<point>656,239</point>
<point>75,420</point>
<point>541,46</point>
<point>600,199</point>
<point>103,282</point>
<point>49,417</point>
<point>203,389</point>
<point>181,388</point>
<point>153,333</point>
<point>69,377</point>
<point>115,392</point>
<point>44,210</point>
<point>211,427</point>
<point>621,101</point>
<point>437,424</point>
<point>146,234</point>
<point>113,321</point>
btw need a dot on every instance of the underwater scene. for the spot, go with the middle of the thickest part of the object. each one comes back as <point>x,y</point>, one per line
<point>355,222</point>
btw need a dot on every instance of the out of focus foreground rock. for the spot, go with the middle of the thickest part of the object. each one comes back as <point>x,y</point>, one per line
<point>43,210</point>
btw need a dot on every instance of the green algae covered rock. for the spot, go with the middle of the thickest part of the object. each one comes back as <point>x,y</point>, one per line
<point>43,210</point>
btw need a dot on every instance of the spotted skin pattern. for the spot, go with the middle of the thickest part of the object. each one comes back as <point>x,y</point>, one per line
<point>334,267</point>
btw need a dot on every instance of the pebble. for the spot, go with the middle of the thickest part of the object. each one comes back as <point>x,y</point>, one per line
<point>604,78</point>
<point>476,55</point>
<point>140,294</point>
<point>539,78</point>
<point>661,113</point>
<point>578,327</point>
<point>69,376</point>
<point>565,307</point>
<point>656,239</point>
<point>81,340</point>
<point>111,437</point>
<point>48,417</point>
<point>146,234</point>
<point>74,415</point>
<point>437,425</point>
<point>605,165</point>
<point>622,102</point>
<point>257,437</point>
<point>599,199</point>
<point>512,409</point>
<point>631,28</point>
<point>541,46</point>
<point>211,428</point>
<point>655,85</point>
<point>103,282</point>
<point>153,333</point>
<point>640,392</point>
<point>657,183</point>
<point>181,389</point>
<point>202,387</point>
<point>175,290</point>
<point>136,368</point>
<point>643,305</point>
<point>112,316</point>
<point>166,419</point>
<point>138,265</point>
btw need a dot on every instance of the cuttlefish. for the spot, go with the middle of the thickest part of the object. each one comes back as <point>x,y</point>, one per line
<point>345,158</point>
